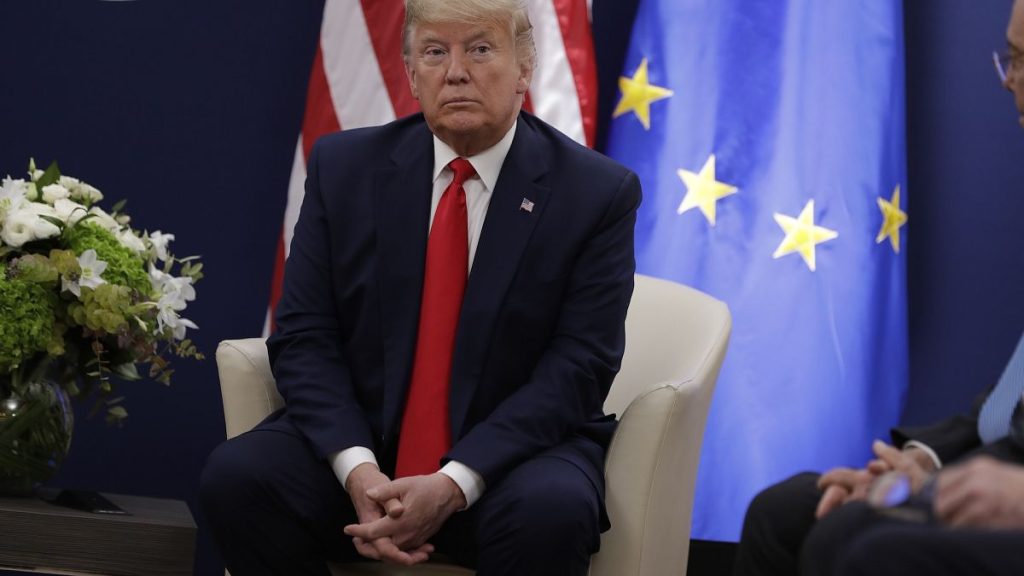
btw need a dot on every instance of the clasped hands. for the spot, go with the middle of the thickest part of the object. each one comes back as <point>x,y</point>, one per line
<point>980,493</point>
<point>397,517</point>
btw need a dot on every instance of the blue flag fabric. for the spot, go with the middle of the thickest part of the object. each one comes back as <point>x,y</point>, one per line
<point>769,139</point>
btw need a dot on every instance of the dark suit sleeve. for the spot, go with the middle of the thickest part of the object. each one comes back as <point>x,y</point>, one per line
<point>950,438</point>
<point>306,352</point>
<point>569,383</point>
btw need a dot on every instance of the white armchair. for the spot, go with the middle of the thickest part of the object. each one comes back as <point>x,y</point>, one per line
<point>676,339</point>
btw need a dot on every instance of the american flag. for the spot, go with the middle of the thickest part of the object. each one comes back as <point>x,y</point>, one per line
<point>358,79</point>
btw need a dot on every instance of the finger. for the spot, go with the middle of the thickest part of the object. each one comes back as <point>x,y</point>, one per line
<point>370,531</point>
<point>837,477</point>
<point>971,513</point>
<point>859,492</point>
<point>421,553</point>
<point>365,549</point>
<point>952,493</point>
<point>394,507</point>
<point>391,553</point>
<point>384,492</point>
<point>878,467</point>
<point>833,497</point>
<point>890,455</point>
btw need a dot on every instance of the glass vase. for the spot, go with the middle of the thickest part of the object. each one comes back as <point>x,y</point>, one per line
<point>36,421</point>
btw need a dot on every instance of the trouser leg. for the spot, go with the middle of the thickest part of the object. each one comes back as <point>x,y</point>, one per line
<point>273,507</point>
<point>776,524</point>
<point>544,518</point>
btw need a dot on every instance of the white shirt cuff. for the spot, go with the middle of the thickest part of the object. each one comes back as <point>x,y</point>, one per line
<point>344,462</point>
<point>471,483</point>
<point>926,449</point>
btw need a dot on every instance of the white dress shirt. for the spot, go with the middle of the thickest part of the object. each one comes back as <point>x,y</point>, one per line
<point>478,197</point>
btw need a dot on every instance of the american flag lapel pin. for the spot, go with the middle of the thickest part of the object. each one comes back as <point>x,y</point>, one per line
<point>527,205</point>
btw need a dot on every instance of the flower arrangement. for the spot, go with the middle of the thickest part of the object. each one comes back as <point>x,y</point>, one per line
<point>83,296</point>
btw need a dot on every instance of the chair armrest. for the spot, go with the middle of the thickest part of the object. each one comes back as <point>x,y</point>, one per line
<point>651,472</point>
<point>246,384</point>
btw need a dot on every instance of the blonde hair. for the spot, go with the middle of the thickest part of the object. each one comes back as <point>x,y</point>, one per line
<point>512,13</point>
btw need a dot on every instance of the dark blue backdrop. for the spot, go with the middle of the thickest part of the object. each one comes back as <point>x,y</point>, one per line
<point>190,110</point>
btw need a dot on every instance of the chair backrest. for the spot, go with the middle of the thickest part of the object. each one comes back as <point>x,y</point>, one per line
<point>676,338</point>
<point>246,384</point>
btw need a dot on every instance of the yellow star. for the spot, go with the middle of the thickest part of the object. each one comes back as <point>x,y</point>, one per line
<point>703,190</point>
<point>892,219</point>
<point>802,235</point>
<point>637,95</point>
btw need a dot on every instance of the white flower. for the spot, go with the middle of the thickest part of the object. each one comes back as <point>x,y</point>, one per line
<point>69,211</point>
<point>160,242</point>
<point>177,290</point>
<point>12,194</point>
<point>175,293</point>
<point>92,270</point>
<point>54,192</point>
<point>25,225</point>
<point>130,241</point>
<point>104,220</point>
<point>80,191</point>
<point>40,209</point>
<point>167,317</point>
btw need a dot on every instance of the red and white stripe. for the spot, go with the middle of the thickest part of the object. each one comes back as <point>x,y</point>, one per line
<point>358,79</point>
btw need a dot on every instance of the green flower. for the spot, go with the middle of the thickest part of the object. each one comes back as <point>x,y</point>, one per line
<point>27,309</point>
<point>106,308</point>
<point>124,267</point>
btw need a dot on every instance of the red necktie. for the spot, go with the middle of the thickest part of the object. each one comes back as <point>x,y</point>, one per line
<point>426,435</point>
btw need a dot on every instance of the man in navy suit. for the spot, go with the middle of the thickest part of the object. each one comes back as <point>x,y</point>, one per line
<point>965,519</point>
<point>546,236</point>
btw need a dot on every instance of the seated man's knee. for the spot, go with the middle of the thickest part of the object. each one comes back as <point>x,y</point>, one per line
<point>779,505</point>
<point>227,479</point>
<point>557,508</point>
<point>830,540</point>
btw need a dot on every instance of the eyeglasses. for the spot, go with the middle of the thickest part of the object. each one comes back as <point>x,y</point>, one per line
<point>1005,63</point>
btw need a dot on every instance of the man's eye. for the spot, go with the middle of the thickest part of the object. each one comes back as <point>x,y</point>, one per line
<point>482,50</point>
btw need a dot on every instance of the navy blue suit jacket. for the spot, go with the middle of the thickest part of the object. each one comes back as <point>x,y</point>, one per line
<point>540,334</point>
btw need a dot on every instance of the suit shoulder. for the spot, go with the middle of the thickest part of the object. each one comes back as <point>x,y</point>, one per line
<point>574,156</point>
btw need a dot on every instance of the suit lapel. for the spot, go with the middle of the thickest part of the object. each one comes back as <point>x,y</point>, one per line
<point>506,232</point>
<point>402,211</point>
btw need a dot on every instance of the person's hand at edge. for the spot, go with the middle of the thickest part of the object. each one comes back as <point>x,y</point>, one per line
<point>981,493</point>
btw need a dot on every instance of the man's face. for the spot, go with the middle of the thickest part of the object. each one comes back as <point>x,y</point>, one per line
<point>1015,38</point>
<point>468,81</point>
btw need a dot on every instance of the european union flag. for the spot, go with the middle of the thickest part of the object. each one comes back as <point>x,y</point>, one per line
<point>769,138</point>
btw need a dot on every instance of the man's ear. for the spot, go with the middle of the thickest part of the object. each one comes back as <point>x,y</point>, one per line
<point>525,78</point>
<point>410,73</point>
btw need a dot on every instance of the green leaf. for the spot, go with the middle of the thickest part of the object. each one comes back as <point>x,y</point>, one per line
<point>127,371</point>
<point>118,206</point>
<point>87,217</point>
<point>50,176</point>
<point>116,414</point>
<point>55,221</point>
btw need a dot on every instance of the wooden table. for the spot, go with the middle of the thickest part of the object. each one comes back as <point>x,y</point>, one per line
<point>156,538</point>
